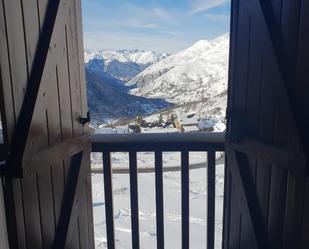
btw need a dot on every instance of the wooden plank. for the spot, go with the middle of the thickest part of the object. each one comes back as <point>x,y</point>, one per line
<point>290,17</point>
<point>14,192</point>
<point>62,73</point>
<point>211,194</point>
<point>247,198</point>
<point>252,114</point>
<point>32,212</point>
<point>46,205</point>
<point>80,212</point>
<point>74,230</point>
<point>134,200</point>
<point>235,223</point>
<point>72,57</point>
<point>159,199</point>
<point>290,28</point>
<point>231,219</point>
<point>305,228</point>
<point>80,48</point>
<point>68,201</point>
<point>269,152</point>
<point>51,102</point>
<point>242,67</point>
<point>302,76</point>
<point>57,152</point>
<point>16,50</point>
<point>8,110</point>
<point>237,104</point>
<point>4,242</point>
<point>185,212</point>
<point>302,66</point>
<point>294,210</point>
<point>57,180</point>
<point>232,58</point>
<point>276,207</point>
<point>83,219</point>
<point>73,239</point>
<point>108,193</point>
<point>278,177</point>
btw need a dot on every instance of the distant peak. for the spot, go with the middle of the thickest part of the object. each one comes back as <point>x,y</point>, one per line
<point>201,44</point>
<point>223,37</point>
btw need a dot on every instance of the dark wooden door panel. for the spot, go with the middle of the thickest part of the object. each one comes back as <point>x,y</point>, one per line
<point>267,111</point>
<point>34,203</point>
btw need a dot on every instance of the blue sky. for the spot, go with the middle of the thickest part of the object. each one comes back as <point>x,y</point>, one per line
<point>157,25</point>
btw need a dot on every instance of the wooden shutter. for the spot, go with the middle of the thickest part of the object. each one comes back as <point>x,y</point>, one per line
<point>266,200</point>
<point>53,162</point>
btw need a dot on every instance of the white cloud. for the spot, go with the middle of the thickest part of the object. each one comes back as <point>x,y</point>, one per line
<point>198,6</point>
<point>173,33</point>
<point>161,13</point>
<point>136,23</point>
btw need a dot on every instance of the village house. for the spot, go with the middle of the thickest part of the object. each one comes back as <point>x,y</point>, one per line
<point>186,123</point>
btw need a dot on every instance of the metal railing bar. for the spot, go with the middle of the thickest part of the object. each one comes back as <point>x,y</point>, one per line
<point>211,191</point>
<point>149,147</point>
<point>125,170</point>
<point>159,199</point>
<point>185,222</point>
<point>136,138</point>
<point>134,199</point>
<point>162,142</point>
<point>108,192</point>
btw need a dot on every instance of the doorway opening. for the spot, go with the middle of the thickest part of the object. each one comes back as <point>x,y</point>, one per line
<point>158,69</point>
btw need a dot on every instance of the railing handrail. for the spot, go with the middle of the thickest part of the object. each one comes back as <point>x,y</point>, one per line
<point>162,141</point>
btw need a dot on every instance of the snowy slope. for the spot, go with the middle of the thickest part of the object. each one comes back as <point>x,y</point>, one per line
<point>123,64</point>
<point>109,99</point>
<point>147,210</point>
<point>195,78</point>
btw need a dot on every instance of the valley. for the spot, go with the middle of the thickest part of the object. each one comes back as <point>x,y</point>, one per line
<point>123,85</point>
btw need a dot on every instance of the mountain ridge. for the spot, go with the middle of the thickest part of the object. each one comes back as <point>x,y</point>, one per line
<point>123,64</point>
<point>197,74</point>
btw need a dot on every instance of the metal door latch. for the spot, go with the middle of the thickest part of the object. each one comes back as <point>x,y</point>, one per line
<point>84,120</point>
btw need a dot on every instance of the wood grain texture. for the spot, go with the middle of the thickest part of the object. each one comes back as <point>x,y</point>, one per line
<point>281,191</point>
<point>4,241</point>
<point>34,202</point>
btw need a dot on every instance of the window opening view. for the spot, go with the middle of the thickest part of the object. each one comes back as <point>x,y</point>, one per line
<point>159,69</point>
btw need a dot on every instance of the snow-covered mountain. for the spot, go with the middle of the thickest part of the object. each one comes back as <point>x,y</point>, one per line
<point>122,64</point>
<point>195,79</point>
<point>109,99</point>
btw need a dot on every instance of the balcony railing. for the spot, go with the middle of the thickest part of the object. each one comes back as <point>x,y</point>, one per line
<point>158,143</point>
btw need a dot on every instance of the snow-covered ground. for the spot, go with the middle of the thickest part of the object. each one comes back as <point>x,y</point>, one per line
<point>172,202</point>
